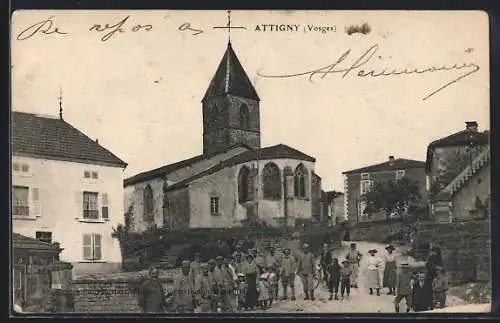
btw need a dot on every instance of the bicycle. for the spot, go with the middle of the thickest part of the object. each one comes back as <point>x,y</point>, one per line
<point>319,278</point>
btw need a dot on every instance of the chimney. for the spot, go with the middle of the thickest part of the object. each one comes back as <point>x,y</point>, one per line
<point>97,141</point>
<point>471,125</point>
<point>391,158</point>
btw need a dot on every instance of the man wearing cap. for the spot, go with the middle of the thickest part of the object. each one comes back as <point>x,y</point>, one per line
<point>183,291</point>
<point>195,267</point>
<point>306,270</point>
<point>203,292</point>
<point>354,257</point>
<point>287,273</point>
<point>151,293</point>
<point>403,287</point>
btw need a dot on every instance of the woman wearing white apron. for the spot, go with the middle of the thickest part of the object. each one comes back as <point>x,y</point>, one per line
<point>373,267</point>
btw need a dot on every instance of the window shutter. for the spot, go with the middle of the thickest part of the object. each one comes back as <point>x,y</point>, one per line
<point>35,202</point>
<point>79,204</point>
<point>87,247</point>
<point>104,206</point>
<point>97,247</point>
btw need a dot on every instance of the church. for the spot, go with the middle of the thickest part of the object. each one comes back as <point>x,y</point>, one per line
<point>234,180</point>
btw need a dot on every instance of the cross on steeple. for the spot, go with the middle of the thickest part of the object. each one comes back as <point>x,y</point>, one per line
<point>228,26</point>
<point>60,104</point>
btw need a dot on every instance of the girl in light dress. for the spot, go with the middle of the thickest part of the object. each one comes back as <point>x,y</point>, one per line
<point>263,291</point>
<point>373,267</point>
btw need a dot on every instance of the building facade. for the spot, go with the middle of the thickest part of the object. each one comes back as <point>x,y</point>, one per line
<point>66,188</point>
<point>458,175</point>
<point>359,181</point>
<point>234,180</point>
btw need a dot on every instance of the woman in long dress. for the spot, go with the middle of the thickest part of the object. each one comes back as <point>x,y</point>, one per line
<point>389,279</point>
<point>251,272</point>
<point>373,266</point>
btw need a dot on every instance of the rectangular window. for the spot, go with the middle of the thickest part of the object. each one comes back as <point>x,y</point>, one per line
<point>16,167</point>
<point>365,176</point>
<point>92,246</point>
<point>400,174</point>
<point>86,174</point>
<point>366,186</point>
<point>104,206</point>
<point>20,201</point>
<point>25,168</point>
<point>90,209</point>
<point>361,209</point>
<point>44,236</point>
<point>95,175</point>
<point>214,205</point>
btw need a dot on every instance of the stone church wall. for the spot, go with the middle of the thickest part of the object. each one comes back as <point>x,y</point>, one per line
<point>134,195</point>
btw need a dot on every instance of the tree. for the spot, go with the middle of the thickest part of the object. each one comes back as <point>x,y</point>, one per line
<point>392,197</point>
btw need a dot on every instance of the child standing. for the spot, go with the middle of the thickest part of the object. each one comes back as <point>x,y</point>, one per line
<point>403,287</point>
<point>334,278</point>
<point>440,287</point>
<point>272,283</point>
<point>263,291</point>
<point>345,278</point>
<point>242,291</point>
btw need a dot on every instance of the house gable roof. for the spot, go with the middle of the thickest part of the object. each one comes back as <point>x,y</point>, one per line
<point>231,78</point>
<point>53,138</point>
<point>273,152</point>
<point>458,139</point>
<point>396,164</point>
<point>169,168</point>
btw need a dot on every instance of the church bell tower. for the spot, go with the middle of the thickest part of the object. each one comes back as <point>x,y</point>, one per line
<point>230,107</point>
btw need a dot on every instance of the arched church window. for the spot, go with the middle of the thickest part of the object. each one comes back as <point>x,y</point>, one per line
<point>244,117</point>
<point>215,114</point>
<point>271,177</point>
<point>300,181</point>
<point>243,184</point>
<point>148,205</point>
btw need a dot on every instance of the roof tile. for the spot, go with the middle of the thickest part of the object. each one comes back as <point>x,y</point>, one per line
<point>54,138</point>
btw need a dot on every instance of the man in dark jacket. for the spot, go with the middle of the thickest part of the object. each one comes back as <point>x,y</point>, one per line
<point>326,261</point>
<point>420,296</point>
<point>151,294</point>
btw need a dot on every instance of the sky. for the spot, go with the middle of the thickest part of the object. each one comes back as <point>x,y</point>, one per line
<point>139,92</point>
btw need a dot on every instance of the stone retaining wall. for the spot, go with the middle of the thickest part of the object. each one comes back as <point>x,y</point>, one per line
<point>108,294</point>
<point>466,248</point>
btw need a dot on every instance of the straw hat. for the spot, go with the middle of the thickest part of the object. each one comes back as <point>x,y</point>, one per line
<point>372,251</point>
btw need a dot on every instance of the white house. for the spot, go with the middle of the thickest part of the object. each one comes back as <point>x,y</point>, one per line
<point>66,188</point>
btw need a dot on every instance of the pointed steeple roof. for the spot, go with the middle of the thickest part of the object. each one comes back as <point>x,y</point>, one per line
<point>230,78</point>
